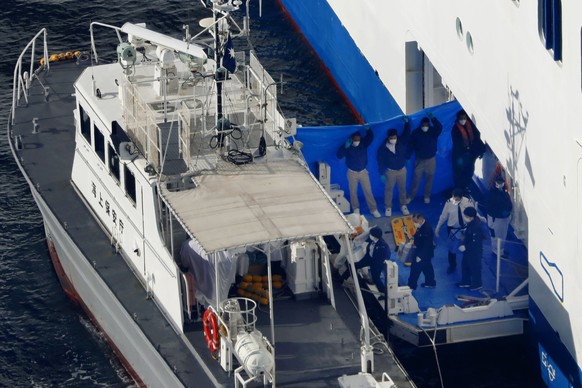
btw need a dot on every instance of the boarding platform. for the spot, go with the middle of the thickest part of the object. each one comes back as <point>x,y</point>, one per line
<point>449,314</point>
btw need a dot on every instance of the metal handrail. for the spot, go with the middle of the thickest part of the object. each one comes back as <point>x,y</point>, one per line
<point>189,310</point>
<point>93,48</point>
<point>21,84</point>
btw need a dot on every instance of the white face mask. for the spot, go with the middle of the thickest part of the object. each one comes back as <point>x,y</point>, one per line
<point>455,201</point>
<point>374,239</point>
<point>463,121</point>
<point>499,185</point>
<point>392,141</point>
<point>356,143</point>
<point>417,225</point>
<point>467,219</point>
<point>424,129</point>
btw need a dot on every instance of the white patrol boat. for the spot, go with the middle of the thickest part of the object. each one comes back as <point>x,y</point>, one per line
<point>182,219</point>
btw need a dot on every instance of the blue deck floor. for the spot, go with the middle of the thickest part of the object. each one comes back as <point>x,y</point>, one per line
<point>513,267</point>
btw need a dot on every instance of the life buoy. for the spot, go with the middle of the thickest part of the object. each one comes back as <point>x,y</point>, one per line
<point>211,334</point>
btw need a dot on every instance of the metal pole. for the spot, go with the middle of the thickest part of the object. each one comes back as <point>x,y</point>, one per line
<point>367,353</point>
<point>498,264</point>
<point>216,282</point>
<point>271,312</point>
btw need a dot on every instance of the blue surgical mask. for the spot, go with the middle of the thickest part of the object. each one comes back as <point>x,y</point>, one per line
<point>463,121</point>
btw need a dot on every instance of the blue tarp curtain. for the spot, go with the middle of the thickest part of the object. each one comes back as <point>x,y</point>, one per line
<point>322,144</point>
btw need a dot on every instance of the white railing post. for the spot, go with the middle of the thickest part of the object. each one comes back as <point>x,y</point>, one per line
<point>20,85</point>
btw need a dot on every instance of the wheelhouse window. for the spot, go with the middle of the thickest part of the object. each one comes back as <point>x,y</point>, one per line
<point>85,124</point>
<point>99,144</point>
<point>550,23</point>
<point>130,183</point>
<point>113,162</point>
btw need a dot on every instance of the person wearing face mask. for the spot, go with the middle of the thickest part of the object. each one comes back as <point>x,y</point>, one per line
<point>499,206</point>
<point>424,251</point>
<point>355,150</point>
<point>377,252</point>
<point>467,147</point>
<point>423,142</point>
<point>472,249</point>
<point>392,156</point>
<point>452,215</point>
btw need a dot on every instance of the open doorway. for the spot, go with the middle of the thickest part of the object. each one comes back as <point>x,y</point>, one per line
<point>424,85</point>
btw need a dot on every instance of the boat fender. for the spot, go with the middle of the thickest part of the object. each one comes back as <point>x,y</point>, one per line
<point>211,334</point>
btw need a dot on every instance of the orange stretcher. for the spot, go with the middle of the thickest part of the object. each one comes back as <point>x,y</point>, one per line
<point>403,229</point>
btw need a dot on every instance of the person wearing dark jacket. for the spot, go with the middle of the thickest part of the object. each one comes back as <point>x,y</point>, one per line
<point>499,207</point>
<point>377,252</point>
<point>355,150</point>
<point>467,147</point>
<point>424,251</point>
<point>423,142</point>
<point>472,249</point>
<point>392,156</point>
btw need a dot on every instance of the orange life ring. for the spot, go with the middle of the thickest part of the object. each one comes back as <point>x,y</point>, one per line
<point>211,334</point>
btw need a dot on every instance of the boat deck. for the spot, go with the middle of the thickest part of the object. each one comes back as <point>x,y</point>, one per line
<point>315,343</point>
<point>513,270</point>
<point>47,159</point>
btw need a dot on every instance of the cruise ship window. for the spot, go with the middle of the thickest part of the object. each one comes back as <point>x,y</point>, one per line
<point>550,23</point>
<point>129,180</point>
<point>85,124</point>
<point>113,162</point>
<point>99,144</point>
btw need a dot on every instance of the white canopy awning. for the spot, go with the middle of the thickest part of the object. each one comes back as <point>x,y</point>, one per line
<point>253,204</point>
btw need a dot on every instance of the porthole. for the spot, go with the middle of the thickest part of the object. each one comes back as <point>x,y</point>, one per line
<point>469,42</point>
<point>459,29</point>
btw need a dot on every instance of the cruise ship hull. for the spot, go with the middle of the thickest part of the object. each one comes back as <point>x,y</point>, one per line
<point>366,92</point>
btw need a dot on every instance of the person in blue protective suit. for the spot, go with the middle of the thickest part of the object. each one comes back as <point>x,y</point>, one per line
<point>392,156</point>
<point>472,249</point>
<point>377,252</point>
<point>423,142</point>
<point>355,150</point>
<point>467,147</point>
<point>424,252</point>
<point>499,206</point>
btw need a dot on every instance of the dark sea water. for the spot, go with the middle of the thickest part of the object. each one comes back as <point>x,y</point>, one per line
<point>45,340</point>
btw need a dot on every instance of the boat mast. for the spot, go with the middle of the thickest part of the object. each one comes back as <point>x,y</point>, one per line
<point>217,58</point>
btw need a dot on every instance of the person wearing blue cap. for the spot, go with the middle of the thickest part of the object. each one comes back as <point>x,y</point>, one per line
<point>355,150</point>
<point>377,252</point>
<point>392,156</point>
<point>424,252</point>
<point>472,249</point>
<point>499,206</point>
<point>423,141</point>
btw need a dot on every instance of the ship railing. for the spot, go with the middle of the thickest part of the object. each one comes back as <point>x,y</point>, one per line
<point>260,82</point>
<point>188,306</point>
<point>93,47</point>
<point>510,269</point>
<point>22,81</point>
<point>141,124</point>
